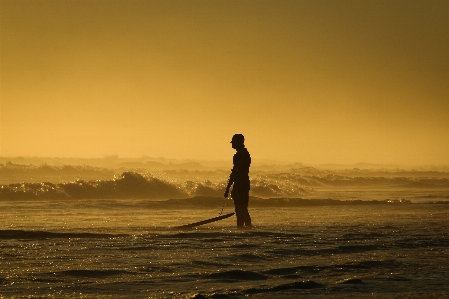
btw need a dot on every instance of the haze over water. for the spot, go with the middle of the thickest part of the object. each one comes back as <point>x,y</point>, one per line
<point>305,81</point>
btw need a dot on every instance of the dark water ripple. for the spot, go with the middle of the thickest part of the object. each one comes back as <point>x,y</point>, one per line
<point>207,264</point>
<point>93,273</point>
<point>247,257</point>
<point>157,269</point>
<point>281,271</point>
<point>237,275</point>
<point>352,281</point>
<point>37,235</point>
<point>297,285</point>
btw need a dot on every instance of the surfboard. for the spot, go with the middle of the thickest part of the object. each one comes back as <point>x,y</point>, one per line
<point>191,225</point>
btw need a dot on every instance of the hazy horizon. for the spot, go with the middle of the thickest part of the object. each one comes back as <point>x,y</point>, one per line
<point>258,164</point>
<point>313,82</point>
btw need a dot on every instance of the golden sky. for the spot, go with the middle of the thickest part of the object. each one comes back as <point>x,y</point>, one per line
<point>316,81</point>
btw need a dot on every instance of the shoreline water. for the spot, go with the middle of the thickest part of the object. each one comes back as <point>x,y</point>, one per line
<point>122,249</point>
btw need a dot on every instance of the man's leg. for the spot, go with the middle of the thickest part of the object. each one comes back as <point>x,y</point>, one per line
<point>241,198</point>
<point>240,214</point>
<point>245,213</point>
<point>247,218</point>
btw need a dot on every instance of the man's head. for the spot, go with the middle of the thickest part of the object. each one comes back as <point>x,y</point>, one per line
<point>238,141</point>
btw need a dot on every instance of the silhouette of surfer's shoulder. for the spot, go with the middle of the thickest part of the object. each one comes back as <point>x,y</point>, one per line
<point>242,156</point>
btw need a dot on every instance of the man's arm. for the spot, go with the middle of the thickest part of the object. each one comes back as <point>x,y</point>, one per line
<point>230,182</point>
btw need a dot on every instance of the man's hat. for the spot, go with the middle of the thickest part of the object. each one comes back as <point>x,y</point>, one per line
<point>238,138</point>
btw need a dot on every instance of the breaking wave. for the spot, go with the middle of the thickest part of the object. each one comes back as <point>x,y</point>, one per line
<point>187,184</point>
<point>132,185</point>
<point>128,185</point>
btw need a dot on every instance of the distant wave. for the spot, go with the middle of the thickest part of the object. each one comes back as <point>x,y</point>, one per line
<point>133,185</point>
<point>12,173</point>
<point>128,185</point>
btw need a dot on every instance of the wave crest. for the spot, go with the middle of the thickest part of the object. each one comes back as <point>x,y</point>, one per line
<point>127,185</point>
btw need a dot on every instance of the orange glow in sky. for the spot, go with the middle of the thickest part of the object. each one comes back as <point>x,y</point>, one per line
<point>305,81</point>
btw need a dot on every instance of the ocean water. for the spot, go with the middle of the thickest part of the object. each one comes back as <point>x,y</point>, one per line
<point>309,248</point>
<point>317,234</point>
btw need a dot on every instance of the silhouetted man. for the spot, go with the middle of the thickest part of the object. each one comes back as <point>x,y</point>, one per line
<point>239,178</point>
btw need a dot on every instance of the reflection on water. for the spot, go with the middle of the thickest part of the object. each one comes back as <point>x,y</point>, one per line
<point>127,248</point>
